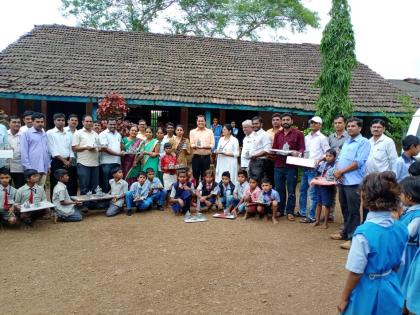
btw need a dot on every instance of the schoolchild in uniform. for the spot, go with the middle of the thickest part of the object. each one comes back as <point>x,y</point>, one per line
<point>181,193</point>
<point>7,197</point>
<point>207,191</point>
<point>410,188</point>
<point>226,188</point>
<point>238,194</point>
<point>268,200</point>
<point>372,286</point>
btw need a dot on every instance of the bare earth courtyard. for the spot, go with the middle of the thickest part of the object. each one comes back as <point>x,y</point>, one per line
<point>153,262</point>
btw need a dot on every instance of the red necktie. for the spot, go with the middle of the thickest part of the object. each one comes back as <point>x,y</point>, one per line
<point>31,196</point>
<point>6,199</point>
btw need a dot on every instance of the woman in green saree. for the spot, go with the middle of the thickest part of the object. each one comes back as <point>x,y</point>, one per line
<point>148,155</point>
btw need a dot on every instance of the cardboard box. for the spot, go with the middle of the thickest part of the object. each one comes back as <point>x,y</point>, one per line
<point>311,163</point>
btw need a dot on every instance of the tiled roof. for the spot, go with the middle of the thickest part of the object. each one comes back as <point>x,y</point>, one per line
<point>409,86</point>
<point>56,60</point>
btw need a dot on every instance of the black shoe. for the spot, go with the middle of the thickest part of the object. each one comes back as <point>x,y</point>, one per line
<point>159,208</point>
<point>298,215</point>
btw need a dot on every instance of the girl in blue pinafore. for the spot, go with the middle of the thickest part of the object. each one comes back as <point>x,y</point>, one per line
<point>410,187</point>
<point>372,286</point>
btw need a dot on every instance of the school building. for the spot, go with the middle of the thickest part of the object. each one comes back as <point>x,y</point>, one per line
<point>57,68</point>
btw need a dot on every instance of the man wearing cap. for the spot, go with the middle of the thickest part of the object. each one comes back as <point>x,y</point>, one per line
<point>350,170</point>
<point>411,147</point>
<point>316,145</point>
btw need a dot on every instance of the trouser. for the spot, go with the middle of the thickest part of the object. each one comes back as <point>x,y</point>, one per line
<point>75,217</point>
<point>200,164</point>
<point>88,178</point>
<point>159,197</point>
<point>308,175</point>
<point>259,168</point>
<point>283,176</point>
<point>18,179</point>
<point>107,176</point>
<point>42,180</point>
<point>227,201</point>
<point>112,210</point>
<point>140,205</point>
<point>57,164</point>
<point>350,206</point>
<point>270,170</point>
<point>332,208</point>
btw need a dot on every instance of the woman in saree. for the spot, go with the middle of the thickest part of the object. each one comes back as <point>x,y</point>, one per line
<point>182,146</point>
<point>131,145</point>
<point>148,155</point>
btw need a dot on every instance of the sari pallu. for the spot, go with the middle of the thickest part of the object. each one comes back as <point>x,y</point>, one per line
<point>127,161</point>
<point>147,161</point>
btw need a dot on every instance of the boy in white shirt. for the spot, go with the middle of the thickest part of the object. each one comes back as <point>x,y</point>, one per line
<point>119,188</point>
<point>66,209</point>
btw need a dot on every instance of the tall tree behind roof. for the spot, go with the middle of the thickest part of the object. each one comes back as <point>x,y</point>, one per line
<point>338,62</point>
<point>240,19</point>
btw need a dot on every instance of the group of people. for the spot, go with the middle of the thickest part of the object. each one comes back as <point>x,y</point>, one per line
<point>146,167</point>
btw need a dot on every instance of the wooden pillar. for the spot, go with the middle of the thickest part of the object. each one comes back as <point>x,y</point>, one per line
<point>13,107</point>
<point>89,108</point>
<point>6,106</point>
<point>183,113</point>
<point>222,116</point>
<point>44,110</point>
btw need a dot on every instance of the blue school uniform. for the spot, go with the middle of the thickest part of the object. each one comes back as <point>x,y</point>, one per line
<point>411,219</point>
<point>178,192</point>
<point>412,285</point>
<point>377,248</point>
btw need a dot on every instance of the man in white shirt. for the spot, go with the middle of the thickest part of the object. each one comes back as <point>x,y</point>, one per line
<point>383,153</point>
<point>86,144</point>
<point>59,146</point>
<point>110,158</point>
<point>27,120</point>
<point>316,145</point>
<point>72,123</point>
<point>247,144</point>
<point>259,166</point>
<point>16,168</point>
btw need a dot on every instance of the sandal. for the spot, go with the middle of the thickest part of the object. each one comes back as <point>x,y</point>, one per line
<point>290,217</point>
<point>306,220</point>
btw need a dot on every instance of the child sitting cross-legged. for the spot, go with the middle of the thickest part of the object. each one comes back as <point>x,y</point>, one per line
<point>157,193</point>
<point>181,193</point>
<point>226,188</point>
<point>207,191</point>
<point>7,197</point>
<point>241,186</point>
<point>268,200</point>
<point>119,188</point>
<point>32,193</point>
<point>138,195</point>
<point>66,210</point>
<point>251,196</point>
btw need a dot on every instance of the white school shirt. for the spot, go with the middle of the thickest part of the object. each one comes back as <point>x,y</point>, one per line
<point>15,162</point>
<point>117,189</point>
<point>111,140</point>
<point>84,138</point>
<point>316,144</point>
<point>262,142</point>
<point>60,193</point>
<point>383,155</point>
<point>59,143</point>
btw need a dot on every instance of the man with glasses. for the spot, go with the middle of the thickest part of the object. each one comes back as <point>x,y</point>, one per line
<point>247,144</point>
<point>142,129</point>
<point>86,144</point>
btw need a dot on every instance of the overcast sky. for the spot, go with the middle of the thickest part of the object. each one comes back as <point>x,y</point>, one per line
<point>387,36</point>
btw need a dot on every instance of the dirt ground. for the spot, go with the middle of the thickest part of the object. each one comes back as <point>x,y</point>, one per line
<point>155,263</point>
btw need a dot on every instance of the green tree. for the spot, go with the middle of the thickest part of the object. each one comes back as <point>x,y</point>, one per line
<point>337,63</point>
<point>240,19</point>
